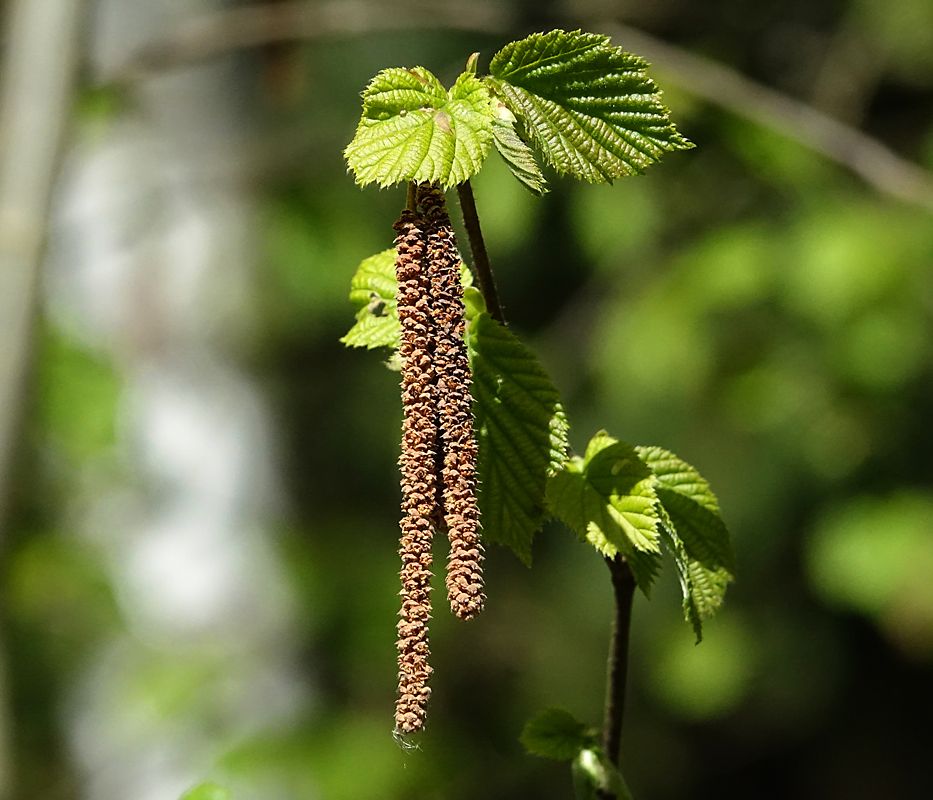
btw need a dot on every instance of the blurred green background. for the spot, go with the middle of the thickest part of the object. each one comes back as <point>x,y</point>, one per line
<point>750,305</point>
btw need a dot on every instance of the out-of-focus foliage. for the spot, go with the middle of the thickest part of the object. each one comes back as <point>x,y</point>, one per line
<point>557,734</point>
<point>595,776</point>
<point>874,555</point>
<point>207,791</point>
<point>746,305</point>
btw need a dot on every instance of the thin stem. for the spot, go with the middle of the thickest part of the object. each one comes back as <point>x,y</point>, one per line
<point>411,202</point>
<point>623,585</point>
<point>487,284</point>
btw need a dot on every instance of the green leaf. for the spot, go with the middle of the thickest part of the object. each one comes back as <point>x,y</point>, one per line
<point>521,431</point>
<point>595,777</point>
<point>207,791</point>
<point>412,129</point>
<point>608,498</point>
<point>694,533</point>
<point>474,303</point>
<point>589,107</point>
<point>557,734</point>
<point>372,291</point>
<point>517,156</point>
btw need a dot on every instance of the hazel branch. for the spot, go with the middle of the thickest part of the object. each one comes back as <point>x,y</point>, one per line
<point>623,586</point>
<point>487,284</point>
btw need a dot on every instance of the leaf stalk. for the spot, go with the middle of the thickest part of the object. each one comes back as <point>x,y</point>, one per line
<point>487,284</point>
<point>623,586</point>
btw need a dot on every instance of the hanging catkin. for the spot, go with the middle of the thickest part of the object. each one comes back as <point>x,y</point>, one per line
<point>417,462</point>
<point>438,460</point>
<point>454,406</point>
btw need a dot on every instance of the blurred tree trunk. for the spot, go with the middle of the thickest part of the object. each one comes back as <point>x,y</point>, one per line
<point>39,65</point>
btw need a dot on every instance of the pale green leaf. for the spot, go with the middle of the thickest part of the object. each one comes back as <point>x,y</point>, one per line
<point>704,533</point>
<point>677,475</point>
<point>589,107</point>
<point>703,588</point>
<point>608,498</point>
<point>207,791</point>
<point>517,156</point>
<point>372,292</point>
<point>692,505</point>
<point>596,777</point>
<point>466,276</point>
<point>693,532</point>
<point>412,129</point>
<point>373,331</point>
<point>521,431</point>
<point>557,734</point>
<point>474,303</point>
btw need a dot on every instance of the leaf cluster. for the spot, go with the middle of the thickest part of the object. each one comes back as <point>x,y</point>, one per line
<point>588,108</point>
<point>631,500</point>
<point>620,499</point>
<point>591,111</point>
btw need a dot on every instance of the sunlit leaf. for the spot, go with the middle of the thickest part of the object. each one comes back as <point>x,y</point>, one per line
<point>589,107</point>
<point>372,292</point>
<point>693,532</point>
<point>521,430</point>
<point>608,498</point>
<point>413,129</point>
<point>517,156</point>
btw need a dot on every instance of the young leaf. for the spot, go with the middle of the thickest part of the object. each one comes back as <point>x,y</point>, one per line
<point>608,498</point>
<point>589,107</point>
<point>694,533</point>
<point>596,777</point>
<point>521,430</point>
<point>412,129</point>
<point>474,303</point>
<point>372,291</point>
<point>557,734</point>
<point>517,156</point>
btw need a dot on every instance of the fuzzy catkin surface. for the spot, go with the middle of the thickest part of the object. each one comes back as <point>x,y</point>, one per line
<point>454,406</point>
<point>417,462</point>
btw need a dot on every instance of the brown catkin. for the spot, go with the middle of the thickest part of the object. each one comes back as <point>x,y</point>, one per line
<point>454,406</point>
<point>418,467</point>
